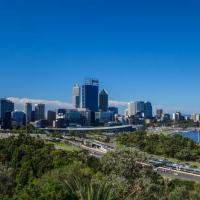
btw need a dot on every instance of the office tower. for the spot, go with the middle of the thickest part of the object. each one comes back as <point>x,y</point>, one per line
<point>33,116</point>
<point>76,96</point>
<point>51,117</point>
<point>39,112</point>
<point>176,116</point>
<point>139,107</point>
<point>6,107</point>
<point>90,93</point>
<point>28,112</point>
<point>7,121</point>
<point>103,100</point>
<point>195,117</point>
<point>18,118</point>
<point>148,111</point>
<point>114,110</point>
<point>131,109</point>
<point>159,113</point>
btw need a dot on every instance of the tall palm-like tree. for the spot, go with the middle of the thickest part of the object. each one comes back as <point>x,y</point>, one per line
<point>88,191</point>
<point>81,190</point>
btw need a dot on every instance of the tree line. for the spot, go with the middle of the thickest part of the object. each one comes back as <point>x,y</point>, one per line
<point>33,170</point>
<point>172,146</point>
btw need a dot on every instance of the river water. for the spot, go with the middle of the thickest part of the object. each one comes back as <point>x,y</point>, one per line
<point>194,135</point>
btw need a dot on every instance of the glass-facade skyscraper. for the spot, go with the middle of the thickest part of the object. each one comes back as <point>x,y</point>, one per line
<point>103,100</point>
<point>39,112</point>
<point>148,110</point>
<point>28,112</point>
<point>6,107</point>
<point>90,93</point>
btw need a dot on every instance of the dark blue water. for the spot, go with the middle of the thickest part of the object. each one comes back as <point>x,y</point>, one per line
<point>191,134</point>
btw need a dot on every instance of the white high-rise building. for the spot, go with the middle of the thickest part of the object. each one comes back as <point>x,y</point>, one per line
<point>76,96</point>
<point>176,116</point>
<point>131,109</point>
<point>195,117</point>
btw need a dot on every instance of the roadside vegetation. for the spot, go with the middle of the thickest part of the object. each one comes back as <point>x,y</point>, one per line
<point>170,146</point>
<point>33,170</point>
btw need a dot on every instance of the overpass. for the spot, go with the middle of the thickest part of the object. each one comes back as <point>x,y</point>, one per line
<point>109,129</point>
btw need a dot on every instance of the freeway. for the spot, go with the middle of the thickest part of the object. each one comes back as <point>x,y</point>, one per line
<point>178,174</point>
<point>164,171</point>
<point>172,173</point>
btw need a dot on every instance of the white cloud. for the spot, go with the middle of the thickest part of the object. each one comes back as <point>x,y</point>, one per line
<point>20,102</point>
<point>118,103</point>
<point>54,104</point>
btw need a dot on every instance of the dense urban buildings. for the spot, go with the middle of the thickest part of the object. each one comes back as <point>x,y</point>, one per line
<point>176,116</point>
<point>140,108</point>
<point>93,111</point>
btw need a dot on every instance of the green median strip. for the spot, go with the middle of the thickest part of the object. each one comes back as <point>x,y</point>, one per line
<point>64,146</point>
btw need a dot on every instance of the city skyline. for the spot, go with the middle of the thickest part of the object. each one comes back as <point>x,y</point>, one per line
<point>122,105</point>
<point>139,50</point>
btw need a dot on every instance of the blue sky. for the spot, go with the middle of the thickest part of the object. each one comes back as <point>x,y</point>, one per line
<point>148,50</point>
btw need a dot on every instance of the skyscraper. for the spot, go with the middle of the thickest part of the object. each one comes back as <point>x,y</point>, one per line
<point>103,100</point>
<point>6,107</point>
<point>135,108</point>
<point>148,111</point>
<point>76,96</point>
<point>51,117</point>
<point>18,118</point>
<point>39,112</point>
<point>131,109</point>
<point>139,107</point>
<point>90,93</point>
<point>159,113</point>
<point>176,116</point>
<point>28,111</point>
